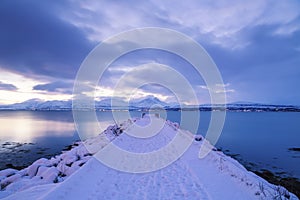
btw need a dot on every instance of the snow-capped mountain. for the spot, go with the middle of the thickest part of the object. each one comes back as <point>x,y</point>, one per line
<point>148,102</point>
<point>38,104</point>
<point>107,104</point>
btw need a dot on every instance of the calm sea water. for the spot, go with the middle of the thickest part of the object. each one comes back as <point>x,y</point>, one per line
<point>258,140</point>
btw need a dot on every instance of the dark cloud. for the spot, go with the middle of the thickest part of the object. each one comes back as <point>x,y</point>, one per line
<point>267,70</point>
<point>58,86</point>
<point>141,57</point>
<point>34,40</point>
<point>5,86</point>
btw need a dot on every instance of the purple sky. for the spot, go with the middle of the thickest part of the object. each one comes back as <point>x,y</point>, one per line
<point>255,44</point>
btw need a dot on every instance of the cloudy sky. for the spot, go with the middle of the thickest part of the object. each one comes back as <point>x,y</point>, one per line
<point>255,44</point>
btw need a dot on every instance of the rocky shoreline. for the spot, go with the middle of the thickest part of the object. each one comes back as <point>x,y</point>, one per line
<point>61,162</point>
<point>282,179</point>
<point>290,183</point>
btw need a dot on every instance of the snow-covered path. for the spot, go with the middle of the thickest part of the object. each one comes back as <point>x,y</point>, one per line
<point>173,182</point>
<point>96,181</point>
<point>216,176</point>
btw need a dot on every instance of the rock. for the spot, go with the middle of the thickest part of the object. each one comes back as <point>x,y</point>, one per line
<point>5,182</point>
<point>294,149</point>
<point>176,125</point>
<point>62,167</point>
<point>81,162</point>
<point>81,152</point>
<point>33,169</point>
<point>69,158</point>
<point>8,172</point>
<point>71,170</point>
<point>41,170</point>
<point>49,174</point>
<point>198,138</point>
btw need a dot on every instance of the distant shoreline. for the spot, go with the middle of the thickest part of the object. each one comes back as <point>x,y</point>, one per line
<point>203,109</point>
<point>147,104</point>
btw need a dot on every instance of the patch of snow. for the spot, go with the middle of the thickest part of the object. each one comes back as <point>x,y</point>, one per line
<point>55,170</point>
<point>7,172</point>
<point>76,174</point>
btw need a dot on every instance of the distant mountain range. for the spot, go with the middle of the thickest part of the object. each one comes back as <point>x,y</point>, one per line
<point>149,102</point>
<point>105,104</point>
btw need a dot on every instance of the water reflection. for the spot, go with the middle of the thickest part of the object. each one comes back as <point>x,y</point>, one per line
<point>26,136</point>
<point>27,126</point>
<point>260,138</point>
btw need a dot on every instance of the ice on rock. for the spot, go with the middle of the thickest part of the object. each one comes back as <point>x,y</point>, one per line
<point>49,174</point>
<point>7,172</point>
<point>10,179</point>
<point>198,138</point>
<point>71,170</point>
<point>79,163</point>
<point>32,169</point>
<point>176,125</point>
<point>41,170</point>
<point>81,152</point>
<point>69,158</point>
<point>1,178</point>
<point>43,161</point>
<point>62,167</point>
<point>218,173</point>
<point>23,172</point>
<point>22,184</point>
<point>58,168</point>
<point>54,161</point>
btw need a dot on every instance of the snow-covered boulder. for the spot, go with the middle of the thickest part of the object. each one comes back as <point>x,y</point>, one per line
<point>216,176</point>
